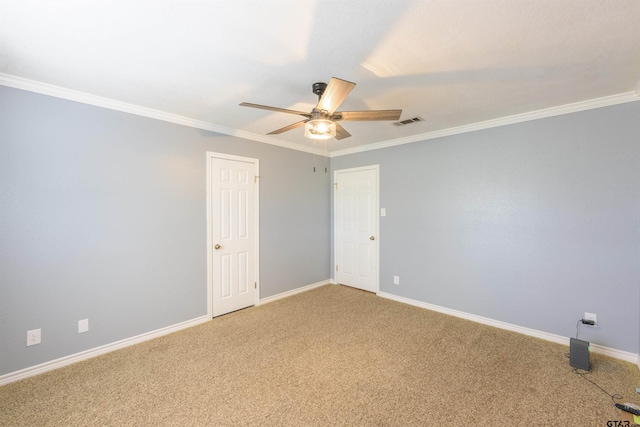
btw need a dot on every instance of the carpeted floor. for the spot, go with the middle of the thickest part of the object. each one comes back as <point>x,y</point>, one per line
<point>332,356</point>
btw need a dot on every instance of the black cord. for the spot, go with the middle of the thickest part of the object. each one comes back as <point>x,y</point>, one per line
<point>578,328</point>
<point>612,396</point>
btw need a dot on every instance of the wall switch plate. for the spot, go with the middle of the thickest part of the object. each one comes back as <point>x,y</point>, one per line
<point>383,212</point>
<point>83,325</point>
<point>591,316</point>
<point>396,280</point>
<point>34,337</point>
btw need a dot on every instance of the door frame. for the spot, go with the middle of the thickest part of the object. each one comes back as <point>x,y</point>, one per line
<point>376,273</point>
<point>256,162</point>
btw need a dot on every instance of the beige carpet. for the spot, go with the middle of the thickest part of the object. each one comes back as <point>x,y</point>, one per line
<point>333,356</point>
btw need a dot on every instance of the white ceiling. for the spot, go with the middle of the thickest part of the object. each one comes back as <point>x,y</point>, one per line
<point>451,62</point>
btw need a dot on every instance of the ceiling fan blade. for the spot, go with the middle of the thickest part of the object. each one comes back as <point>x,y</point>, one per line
<point>280,110</point>
<point>371,115</point>
<point>336,92</point>
<point>341,133</point>
<point>287,128</point>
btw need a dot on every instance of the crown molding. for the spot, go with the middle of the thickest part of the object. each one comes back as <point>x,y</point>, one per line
<point>99,101</point>
<point>503,121</point>
<point>85,98</point>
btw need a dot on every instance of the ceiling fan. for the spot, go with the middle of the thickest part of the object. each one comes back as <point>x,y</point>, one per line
<point>322,121</point>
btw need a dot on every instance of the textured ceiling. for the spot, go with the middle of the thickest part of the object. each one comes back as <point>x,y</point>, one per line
<point>451,62</point>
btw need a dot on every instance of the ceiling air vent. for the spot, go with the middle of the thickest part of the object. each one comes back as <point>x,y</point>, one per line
<point>408,121</point>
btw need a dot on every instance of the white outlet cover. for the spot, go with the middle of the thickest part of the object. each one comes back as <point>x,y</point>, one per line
<point>83,325</point>
<point>396,280</point>
<point>34,337</point>
<point>591,316</point>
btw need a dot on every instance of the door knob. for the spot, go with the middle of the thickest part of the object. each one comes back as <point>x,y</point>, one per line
<point>372,238</point>
<point>217,246</point>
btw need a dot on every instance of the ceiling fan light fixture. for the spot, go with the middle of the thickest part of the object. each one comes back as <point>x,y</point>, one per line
<point>320,129</point>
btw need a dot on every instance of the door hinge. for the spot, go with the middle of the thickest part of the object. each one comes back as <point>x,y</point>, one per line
<point>336,184</point>
<point>255,285</point>
<point>255,178</point>
<point>336,268</point>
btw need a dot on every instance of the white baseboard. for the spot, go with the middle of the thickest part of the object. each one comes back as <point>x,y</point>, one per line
<point>618,354</point>
<point>88,354</point>
<point>293,292</point>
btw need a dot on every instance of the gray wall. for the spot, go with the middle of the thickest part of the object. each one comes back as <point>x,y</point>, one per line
<point>531,224</point>
<point>104,217</point>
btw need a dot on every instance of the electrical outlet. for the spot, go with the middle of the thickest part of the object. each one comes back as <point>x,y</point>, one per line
<point>83,325</point>
<point>591,316</point>
<point>34,337</point>
<point>396,280</point>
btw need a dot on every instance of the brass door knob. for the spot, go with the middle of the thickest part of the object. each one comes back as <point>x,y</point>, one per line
<point>372,238</point>
<point>217,246</point>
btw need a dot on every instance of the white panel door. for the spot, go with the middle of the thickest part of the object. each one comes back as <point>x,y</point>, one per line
<point>356,227</point>
<point>233,233</point>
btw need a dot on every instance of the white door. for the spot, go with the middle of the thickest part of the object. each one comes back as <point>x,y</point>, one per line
<point>233,232</point>
<point>356,227</point>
